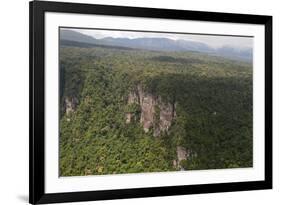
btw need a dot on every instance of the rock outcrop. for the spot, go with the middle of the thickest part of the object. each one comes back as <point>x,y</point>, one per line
<point>70,104</point>
<point>133,99</point>
<point>166,114</point>
<point>129,117</point>
<point>154,112</point>
<point>182,154</point>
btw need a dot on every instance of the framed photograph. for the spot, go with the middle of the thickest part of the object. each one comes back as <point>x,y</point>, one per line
<point>141,102</point>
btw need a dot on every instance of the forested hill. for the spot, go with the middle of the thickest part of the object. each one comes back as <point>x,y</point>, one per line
<point>134,110</point>
<point>160,44</point>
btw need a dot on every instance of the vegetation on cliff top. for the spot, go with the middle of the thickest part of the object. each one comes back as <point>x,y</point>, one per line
<point>213,99</point>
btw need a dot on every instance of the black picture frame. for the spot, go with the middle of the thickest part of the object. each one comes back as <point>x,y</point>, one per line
<point>37,11</point>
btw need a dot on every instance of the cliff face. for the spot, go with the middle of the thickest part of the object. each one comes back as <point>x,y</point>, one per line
<point>182,155</point>
<point>154,112</point>
<point>131,114</point>
<point>147,104</point>
<point>166,115</point>
<point>70,104</point>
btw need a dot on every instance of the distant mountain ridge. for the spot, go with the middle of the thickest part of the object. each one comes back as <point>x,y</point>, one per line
<point>159,44</point>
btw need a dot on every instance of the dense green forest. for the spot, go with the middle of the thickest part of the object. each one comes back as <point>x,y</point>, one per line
<point>102,127</point>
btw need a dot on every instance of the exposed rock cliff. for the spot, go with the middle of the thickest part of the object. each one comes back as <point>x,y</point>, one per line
<point>154,112</point>
<point>133,104</point>
<point>165,113</point>
<point>129,117</point>
<point>182,154</point>
<point>70,104</point>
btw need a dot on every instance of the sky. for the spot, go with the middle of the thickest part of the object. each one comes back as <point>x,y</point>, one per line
<point>211,40</point>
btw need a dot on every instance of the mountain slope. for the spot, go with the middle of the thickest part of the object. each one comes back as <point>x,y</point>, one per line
<point>160,44</point>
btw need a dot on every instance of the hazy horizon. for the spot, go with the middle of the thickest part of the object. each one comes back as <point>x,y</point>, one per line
<point>212,41</point>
